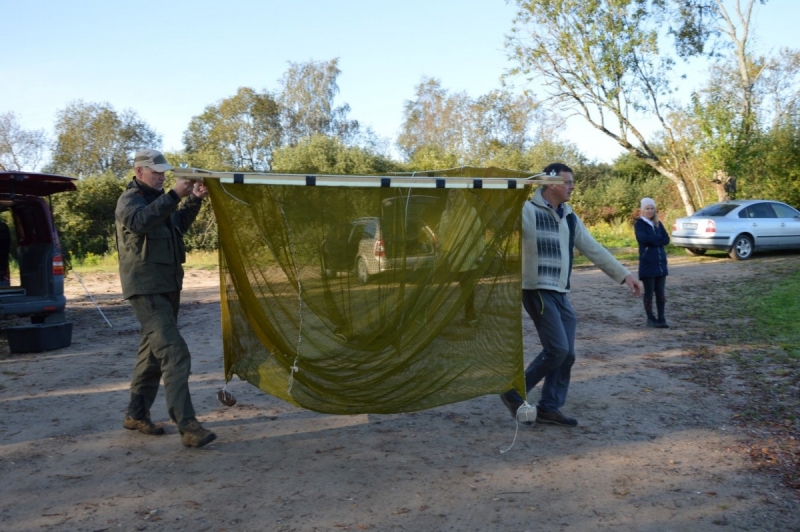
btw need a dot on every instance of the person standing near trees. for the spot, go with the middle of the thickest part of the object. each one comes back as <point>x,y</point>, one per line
<point>652,237</point>
<point>550,232</point>
<point>462,245</point>
<point>149,229</point>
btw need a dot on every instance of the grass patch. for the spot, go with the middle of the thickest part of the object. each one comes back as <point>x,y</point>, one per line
<point>202,260</point>
<point>776,306</point>
<point>614,235</point>
<point>755,321</point>
<point>620,239</point>
<point>197,260</point>
<point>772,304</point>
<point>95,263</point>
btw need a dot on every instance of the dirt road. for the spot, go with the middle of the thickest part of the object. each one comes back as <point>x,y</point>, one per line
<point>653,452</point>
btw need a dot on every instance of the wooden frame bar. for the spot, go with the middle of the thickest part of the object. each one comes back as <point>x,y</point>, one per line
<point>433,179</point>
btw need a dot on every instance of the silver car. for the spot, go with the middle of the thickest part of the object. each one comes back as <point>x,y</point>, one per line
<point>739,227</point>
<point>399,239</point>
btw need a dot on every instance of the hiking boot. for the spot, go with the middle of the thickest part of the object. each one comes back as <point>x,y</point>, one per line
<point>556,418</point>
<point>144,425</point>
<point>651,322</point>
<point>194,435</point>
<point>662,324</point>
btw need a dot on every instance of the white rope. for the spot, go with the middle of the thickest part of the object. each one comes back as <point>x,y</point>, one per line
<point>231,195</point>
<point>78,277</point>
<point>294,368</point>
<point>516,429</point>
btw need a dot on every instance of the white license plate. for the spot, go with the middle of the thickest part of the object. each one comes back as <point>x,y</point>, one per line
<point>690,226</point>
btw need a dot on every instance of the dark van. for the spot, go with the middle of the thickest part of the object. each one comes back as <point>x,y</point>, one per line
<point>39,292</point>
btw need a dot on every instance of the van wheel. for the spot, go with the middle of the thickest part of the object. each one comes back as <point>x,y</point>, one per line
<point>362,272</point>
<point>742,248</point>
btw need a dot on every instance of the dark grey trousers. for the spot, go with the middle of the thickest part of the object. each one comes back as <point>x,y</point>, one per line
<point>163,353</point>
<point>556,324</point>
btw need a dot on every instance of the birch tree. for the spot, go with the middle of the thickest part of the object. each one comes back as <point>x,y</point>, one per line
<point>20,149</point>
<point>602,60</point>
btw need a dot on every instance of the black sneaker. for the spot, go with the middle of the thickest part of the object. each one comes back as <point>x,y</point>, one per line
<point>513,401</point>
<point>662,324</point>
<point>556,418</point>
<point>652,323</point>
<point>520,410</point>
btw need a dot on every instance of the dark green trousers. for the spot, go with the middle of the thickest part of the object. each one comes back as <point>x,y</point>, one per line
<point>163,353</point>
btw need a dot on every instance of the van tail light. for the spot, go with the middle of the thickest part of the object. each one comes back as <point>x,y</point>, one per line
<point>58,265</point>
<point>380,251</point>
<point>711,226</point>
<point>674,226</point>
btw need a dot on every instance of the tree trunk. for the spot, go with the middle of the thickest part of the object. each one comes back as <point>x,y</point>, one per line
<point>680,182</point>
<point>683,190</point>
<point>722,181</point>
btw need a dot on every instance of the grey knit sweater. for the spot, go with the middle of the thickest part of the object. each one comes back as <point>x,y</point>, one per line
<point>546,249</point>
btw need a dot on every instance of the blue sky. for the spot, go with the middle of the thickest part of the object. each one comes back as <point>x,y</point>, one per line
<point>168,60</point>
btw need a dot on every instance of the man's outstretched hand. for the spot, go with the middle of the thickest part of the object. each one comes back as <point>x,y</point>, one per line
<point>633,285</point>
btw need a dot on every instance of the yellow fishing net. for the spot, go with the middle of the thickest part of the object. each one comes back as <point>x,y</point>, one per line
<point>373,295</point>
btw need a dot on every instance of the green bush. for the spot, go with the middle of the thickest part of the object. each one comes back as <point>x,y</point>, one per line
<point>85,218</point>
<point>615,234</point>
<point>617,199</point>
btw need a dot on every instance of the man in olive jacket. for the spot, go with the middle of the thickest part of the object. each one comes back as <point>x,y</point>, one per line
<point>149,229</point>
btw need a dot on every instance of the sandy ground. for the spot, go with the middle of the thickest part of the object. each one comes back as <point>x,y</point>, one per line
<point>653,452</point>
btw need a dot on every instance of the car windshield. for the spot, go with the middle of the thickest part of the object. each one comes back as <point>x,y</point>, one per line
<point>718,209</point>
<point>784,211</point>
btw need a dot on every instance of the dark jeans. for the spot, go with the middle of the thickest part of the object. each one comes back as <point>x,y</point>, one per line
<point>655,285</point>
<point>162,353</point>
<point>556,324</point>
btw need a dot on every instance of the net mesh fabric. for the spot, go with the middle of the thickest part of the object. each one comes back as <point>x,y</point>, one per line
<point>353,300</point>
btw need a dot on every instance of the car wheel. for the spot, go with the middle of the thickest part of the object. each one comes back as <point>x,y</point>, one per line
<point>742,248</point>
<point>361,271</point>
<point>695,252</point>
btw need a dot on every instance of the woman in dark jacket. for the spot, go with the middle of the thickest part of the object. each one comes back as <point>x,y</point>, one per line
<point>652,237</point>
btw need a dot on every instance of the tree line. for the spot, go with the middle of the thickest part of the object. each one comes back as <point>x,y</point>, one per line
<point>615,63</point>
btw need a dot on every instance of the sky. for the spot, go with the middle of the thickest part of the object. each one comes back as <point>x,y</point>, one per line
<point>168,60</point>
